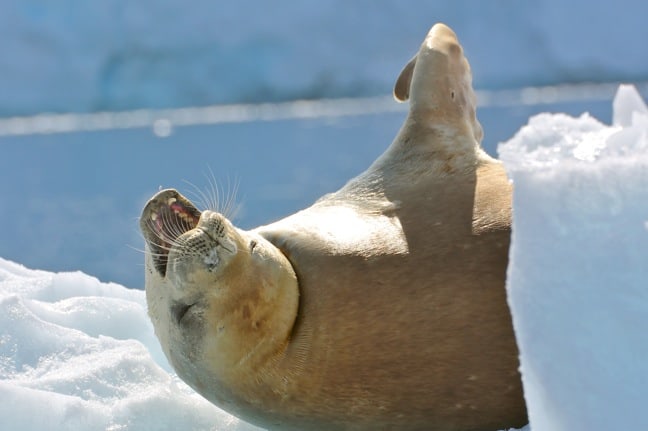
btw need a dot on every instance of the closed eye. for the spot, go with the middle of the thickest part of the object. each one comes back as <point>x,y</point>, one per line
<point>253,245</point>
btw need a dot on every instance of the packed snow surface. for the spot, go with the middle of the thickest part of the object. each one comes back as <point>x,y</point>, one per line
<point>77,354</point>
<point>578,274</point>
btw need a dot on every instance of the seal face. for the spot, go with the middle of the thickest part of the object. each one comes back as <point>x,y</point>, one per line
<point>213,292</point>
<point>380,307</point>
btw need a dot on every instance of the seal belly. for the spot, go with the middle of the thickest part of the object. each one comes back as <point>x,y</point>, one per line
<point>407,340</point>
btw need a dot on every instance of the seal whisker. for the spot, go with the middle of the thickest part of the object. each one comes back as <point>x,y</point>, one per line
<point>222,200</point>
<point>158,233</point>
<point>165,242</point>
<point>200,196</point>
<point>215,197</point>
<point>210,197</point>
<point>137,249</point>
<point>231,207</point>
<point>173,225</point>
<point>213,191</point>
<point>161,241</point>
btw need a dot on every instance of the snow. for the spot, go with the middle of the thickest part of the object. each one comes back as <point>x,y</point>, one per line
<point>578,280</point>
<point>71,55</point>
<point>78,354</point>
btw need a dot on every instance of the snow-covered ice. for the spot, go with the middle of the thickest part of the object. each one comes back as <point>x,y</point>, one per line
<point>578,274</point>
<point>77,354</point>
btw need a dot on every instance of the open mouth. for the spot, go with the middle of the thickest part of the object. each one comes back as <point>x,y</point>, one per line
<point>165,217</point>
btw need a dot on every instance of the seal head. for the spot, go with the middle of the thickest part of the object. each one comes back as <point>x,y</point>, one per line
<point>213,293</point>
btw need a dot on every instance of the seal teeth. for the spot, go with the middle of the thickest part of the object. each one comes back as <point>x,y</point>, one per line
<point>183,215</point>
<point>171,200</point>
<point>154,215</point>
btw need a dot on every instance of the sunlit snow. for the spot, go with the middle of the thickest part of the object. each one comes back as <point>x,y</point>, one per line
<point>77,354</point>
<point>578,274</point>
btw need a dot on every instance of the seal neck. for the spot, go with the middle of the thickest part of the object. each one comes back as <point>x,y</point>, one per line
<point>427,148</point>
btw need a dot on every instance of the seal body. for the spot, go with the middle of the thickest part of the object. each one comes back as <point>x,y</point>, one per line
<point>380,307</point>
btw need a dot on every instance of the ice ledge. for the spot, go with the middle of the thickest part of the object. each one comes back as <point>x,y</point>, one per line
<point>552,139</point>
<point>577,280</point>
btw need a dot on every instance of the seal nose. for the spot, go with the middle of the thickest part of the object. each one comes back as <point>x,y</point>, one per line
<point>194,255</point>
<point>212,223</point>
<point>215,225</point>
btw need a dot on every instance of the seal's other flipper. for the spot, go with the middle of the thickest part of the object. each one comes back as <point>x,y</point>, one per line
<point>402,86</point>
<point>438,83</point>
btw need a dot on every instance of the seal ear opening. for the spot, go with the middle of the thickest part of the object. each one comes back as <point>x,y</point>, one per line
<point>402,86</point>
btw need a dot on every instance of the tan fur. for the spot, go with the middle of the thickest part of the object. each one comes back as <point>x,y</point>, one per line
<point>402,321</point>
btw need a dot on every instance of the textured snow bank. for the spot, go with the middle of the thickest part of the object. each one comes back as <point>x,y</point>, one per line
<point>578,275</point>
<point>77,354</point>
